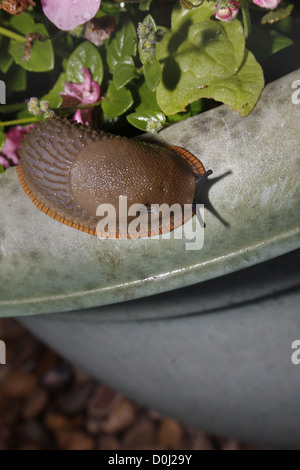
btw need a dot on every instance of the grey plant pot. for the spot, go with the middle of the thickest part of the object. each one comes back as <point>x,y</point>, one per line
<point>216,355</point>
<point>217,352</point>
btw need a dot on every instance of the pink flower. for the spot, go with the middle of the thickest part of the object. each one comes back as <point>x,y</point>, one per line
<point>9,153</point>
<point>226,10</point>
<point>271,4</point>
<point>81,93</point>
<point>67,14</point>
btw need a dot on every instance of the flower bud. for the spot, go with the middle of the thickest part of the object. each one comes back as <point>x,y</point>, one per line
<point>142,31</point>
<point>154,126</point>
<point>270,4</point>
<point>226,10</point>
<point>33,106</point>
<point>44,105</point>
<point>49,114</point>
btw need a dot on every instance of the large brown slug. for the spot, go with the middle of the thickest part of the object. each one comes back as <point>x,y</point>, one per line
<point>68,170</point>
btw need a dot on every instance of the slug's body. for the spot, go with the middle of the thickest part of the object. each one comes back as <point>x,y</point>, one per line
<point>68,170</point>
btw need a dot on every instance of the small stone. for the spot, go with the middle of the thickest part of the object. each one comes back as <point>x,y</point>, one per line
<point>47,360</point>
<point>103,400</point>
<point>170,434</point>
<point>34,432</point>
<point>74,400</point>
<point>56,421</point>
<point>19,384</point>
<point>9,410</point>
<point>29,446</point>
<point>10,330</point>
<point>80,441</point>
<point>199,440</point>
<point>120,418</point>
<point>154,415</point>
<point>57,378</point>
<point>108,443</point>
<point>80,376</point>
<point>35,403</point>
<point>230,444</point>
<point>93,425</point>
<point>249,446</point>
<point>5,437</point>
<point>62,437</point>
<point>140,436</point>
<point>26,354</point>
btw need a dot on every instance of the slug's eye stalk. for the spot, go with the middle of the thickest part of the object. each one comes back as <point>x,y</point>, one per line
<point>203,178</point>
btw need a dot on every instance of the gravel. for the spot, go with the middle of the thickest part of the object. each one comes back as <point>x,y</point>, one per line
<point>47,403</point>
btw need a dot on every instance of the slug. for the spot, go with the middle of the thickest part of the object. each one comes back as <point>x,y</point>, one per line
<point>68,170</point>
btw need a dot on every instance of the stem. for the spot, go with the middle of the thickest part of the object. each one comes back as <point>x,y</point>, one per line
<point>12,35</point>
<point>246,17</point>
<point>19,121</point>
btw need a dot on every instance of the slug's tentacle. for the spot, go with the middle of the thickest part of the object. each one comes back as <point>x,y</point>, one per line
<point>200,181</point>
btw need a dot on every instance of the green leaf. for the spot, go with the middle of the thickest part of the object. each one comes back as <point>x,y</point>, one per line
<point>116,102</point>
<point>41,57</point>
<point>149,21</point>
<point>123,74</point>
<point>276,15</point>
<point>194,54</point>
<point>123,46</point>
<point>242,90</point>
<point>146,109</point>
<point>145,98</point>
<point>145,5</point>
<point>192,109</point>
<point>265,42</point>
<point>1,169</point>
<point>152,73</point>
<point>197,107</point>
<point>53,96</point>
<point>24,114</point>
<point>23,23</point>
<point>2,139</point>
<point>85,56</point>
<point>6,59</point>
<point>16,78</point>
<point>181,16</point>
<point>289,25</point>
<point>113,9</point>
<point>140,119</point>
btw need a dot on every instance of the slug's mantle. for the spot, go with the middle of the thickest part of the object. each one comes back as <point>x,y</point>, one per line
<point>47,267</point>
